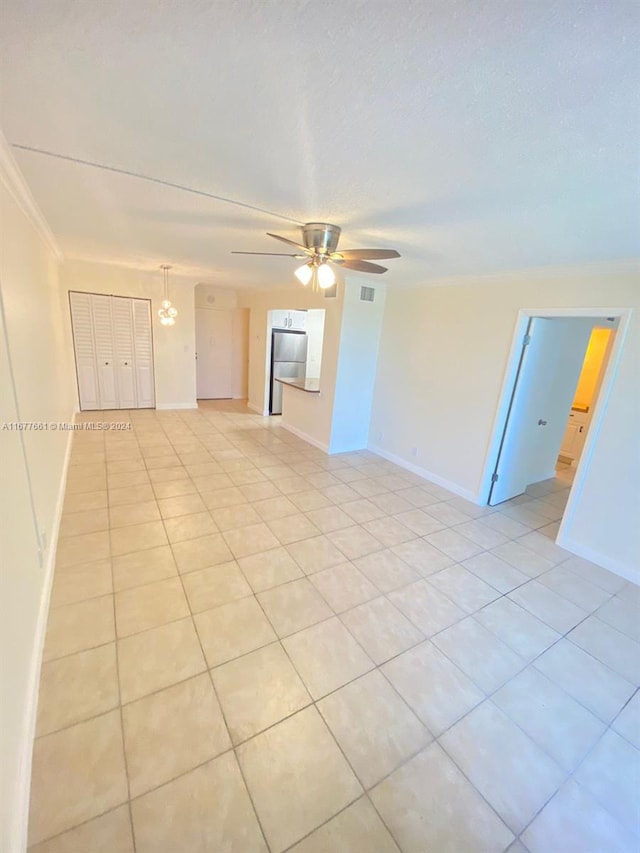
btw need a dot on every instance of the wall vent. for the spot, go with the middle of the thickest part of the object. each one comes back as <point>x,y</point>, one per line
<point>331,292</point>
<point>367,294</point>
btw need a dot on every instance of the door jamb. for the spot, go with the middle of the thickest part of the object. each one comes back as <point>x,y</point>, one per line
<point>502,412</point>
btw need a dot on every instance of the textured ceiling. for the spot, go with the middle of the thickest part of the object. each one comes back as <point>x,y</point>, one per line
<point>472,135</point>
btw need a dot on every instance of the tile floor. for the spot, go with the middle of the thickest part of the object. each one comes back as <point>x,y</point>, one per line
<point>255,647</point>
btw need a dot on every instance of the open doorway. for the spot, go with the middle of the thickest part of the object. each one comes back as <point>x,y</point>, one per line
<point>543,388</point>
<point>294,339</point>
<point>584,399</point>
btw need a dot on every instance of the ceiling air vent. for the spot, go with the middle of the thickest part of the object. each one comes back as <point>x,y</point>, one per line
<point>367,294</point>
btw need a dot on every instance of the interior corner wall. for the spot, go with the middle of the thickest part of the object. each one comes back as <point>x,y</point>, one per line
<point>173,346</point>
<point>441,367</point>
<point>38,387</point>
<point>240,353</point>
<point>357,363</point>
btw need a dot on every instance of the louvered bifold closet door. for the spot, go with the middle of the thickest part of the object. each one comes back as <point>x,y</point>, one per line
<point>84,350</point>
<point>105,351</point>
<point>143,349</point>
<point>122,314</point>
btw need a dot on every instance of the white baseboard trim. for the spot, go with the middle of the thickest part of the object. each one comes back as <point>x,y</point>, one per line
<point>308,438</point>
<point>165,406</point>
<point>606,562</point>
<point>256,409</point>
<point>21,817</point>
<point>426,475</point>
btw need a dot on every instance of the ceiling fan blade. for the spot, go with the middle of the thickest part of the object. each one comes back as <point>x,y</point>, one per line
<point>361,266</point>
<point>364,254</point>
<point>291,243</point>
<point>278,254</point>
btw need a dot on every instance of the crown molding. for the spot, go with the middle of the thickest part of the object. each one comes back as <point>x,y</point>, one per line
<point>17,187</point>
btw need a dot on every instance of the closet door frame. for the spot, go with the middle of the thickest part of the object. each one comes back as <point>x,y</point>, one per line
<point>153,354</point>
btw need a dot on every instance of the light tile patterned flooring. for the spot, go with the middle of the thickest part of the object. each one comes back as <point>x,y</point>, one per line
<point>253,646</point>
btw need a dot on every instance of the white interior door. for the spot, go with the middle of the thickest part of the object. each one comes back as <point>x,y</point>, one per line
<point>122,316</point>
<point>143,346</point>
<point>549,370</point>
<point>85,351</point>
<point>105,351</point>
<point>214,346</point>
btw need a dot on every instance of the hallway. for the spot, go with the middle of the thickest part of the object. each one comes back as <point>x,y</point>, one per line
<point>255,646</point>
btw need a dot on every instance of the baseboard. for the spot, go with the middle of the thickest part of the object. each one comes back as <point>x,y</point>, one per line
<point>606,562</point>
<point>426,475</point>
<point>565,459</point>
<point>257,409</point>
<point>165,406</point>
<point>308,438</point>
<point>21,817</point>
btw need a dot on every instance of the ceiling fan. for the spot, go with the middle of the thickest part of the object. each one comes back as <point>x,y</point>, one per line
<point>319,250</point>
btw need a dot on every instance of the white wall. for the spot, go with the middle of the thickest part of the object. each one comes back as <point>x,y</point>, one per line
<point>240,354</point>
<point>443,355</point>
<point>314,326</point>
<point>38,385</point>
<point>357,363</point>
<point>173,346</point>
<point>210,296</point>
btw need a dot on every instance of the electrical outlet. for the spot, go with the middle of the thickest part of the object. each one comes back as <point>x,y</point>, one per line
<point>414,451</point>
<point>380,436</point>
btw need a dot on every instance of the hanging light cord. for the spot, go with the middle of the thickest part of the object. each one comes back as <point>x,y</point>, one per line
<point>153,180</point>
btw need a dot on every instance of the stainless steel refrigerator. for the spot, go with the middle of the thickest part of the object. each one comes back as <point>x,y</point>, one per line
<point>288,361</point>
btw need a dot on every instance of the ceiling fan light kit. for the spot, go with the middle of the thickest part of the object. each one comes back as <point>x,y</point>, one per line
<point>304,274</point>
<point>167,312</point>
<point>319,245</point>
<point>326,276</point>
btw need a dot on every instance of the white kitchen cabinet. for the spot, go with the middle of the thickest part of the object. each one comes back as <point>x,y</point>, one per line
<point>295,320</point>
<point>114,351</point>
<point>279,319</point>
<point>298,320</point>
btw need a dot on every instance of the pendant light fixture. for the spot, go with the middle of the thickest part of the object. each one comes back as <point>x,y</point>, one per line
<point>167,312</point>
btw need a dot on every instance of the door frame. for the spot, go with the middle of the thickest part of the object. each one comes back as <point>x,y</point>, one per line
<point>525,315</point>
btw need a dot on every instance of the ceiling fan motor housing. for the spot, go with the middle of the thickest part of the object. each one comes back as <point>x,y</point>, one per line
<point>321,236</point>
